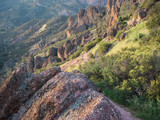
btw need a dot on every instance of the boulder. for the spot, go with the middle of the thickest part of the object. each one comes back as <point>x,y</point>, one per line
<point>53,95</point>
<point>20,87</point>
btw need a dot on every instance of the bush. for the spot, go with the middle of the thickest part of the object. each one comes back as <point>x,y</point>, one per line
<point>90,45</point>
<point>154,17</point>
<point>76,54</point>
<point>131,72</point>
<point>103,48</point>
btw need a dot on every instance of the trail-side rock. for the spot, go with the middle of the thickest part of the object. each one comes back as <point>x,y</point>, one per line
<point>67,96</point>
<point>123,35</point>
<point>19,87</point>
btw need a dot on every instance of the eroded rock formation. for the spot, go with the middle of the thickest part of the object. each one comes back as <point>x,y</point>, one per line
<point>40,62</point>
<point>85,19</point>
<point>53,95</point>
<point>70,46</point>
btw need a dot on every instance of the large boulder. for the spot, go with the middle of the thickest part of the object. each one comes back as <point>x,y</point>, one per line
<point>53,95</point>
<point>19,87</point>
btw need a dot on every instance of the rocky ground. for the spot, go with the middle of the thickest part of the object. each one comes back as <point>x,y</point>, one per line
<point>53,94</point>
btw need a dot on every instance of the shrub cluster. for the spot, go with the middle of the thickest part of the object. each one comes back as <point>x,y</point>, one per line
<point>132,72</point>
<point>90,45</point>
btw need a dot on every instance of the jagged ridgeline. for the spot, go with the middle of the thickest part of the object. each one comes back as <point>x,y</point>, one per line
<point>13,14</point>
<point>40,32</point>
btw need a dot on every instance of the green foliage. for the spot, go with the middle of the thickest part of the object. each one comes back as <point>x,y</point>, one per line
<point>103,48</point>
<point>148,3</point>
<point>117,37</point>
<point>131,72</point>
<point>154,16</point>
<point>125,8</point>
<point>90,45</point>
<point>48,66</point>
<point>148,110</point>
<point>76,54</point>
<point>122,20</point>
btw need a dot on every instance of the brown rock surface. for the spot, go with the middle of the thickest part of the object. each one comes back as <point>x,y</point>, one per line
<point>30,63</point>
<point>52,94</point>
<point>85,19</point>
<point>19,87</point>
<point>113,8</point>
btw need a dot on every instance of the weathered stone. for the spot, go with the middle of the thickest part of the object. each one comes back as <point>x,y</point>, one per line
<point>20,87</point>
<point>85,20</point>
<point>30,63</point>
<point>53,51</point>
<point>40,62</point>
<point>60,53</point>
<point>113,8</point>
<point>68,48</point>
<point>63,96</point>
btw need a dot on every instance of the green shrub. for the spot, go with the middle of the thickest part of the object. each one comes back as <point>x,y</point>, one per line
<point>131,72</point>
<point>90,45</point>
<point>103,48</point>
<point>76,54</point>
<point>117,37</point>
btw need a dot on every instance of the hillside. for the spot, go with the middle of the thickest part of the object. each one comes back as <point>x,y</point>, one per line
<point>108,58</point>
<point>13,14</point>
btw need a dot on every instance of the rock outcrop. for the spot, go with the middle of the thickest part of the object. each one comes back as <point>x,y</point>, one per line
<point>40,62</point>
<point>113,8</point>
<point>137,17</point>
<point>86,18</point>
<point>70,46</point>
<point>30,64</point>
<point>53,94</point>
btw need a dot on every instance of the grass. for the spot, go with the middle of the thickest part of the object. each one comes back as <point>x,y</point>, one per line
<point>132,39</point>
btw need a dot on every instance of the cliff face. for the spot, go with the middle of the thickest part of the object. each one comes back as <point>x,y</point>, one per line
<point>113,8</point>
<point>70,46</point>
<point>53,94</point>
<point>85,19</point>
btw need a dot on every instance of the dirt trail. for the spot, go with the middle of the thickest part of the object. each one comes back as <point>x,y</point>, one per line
<point>126,115</point>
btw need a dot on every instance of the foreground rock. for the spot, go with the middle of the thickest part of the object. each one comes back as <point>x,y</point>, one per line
<point>53,94</point>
